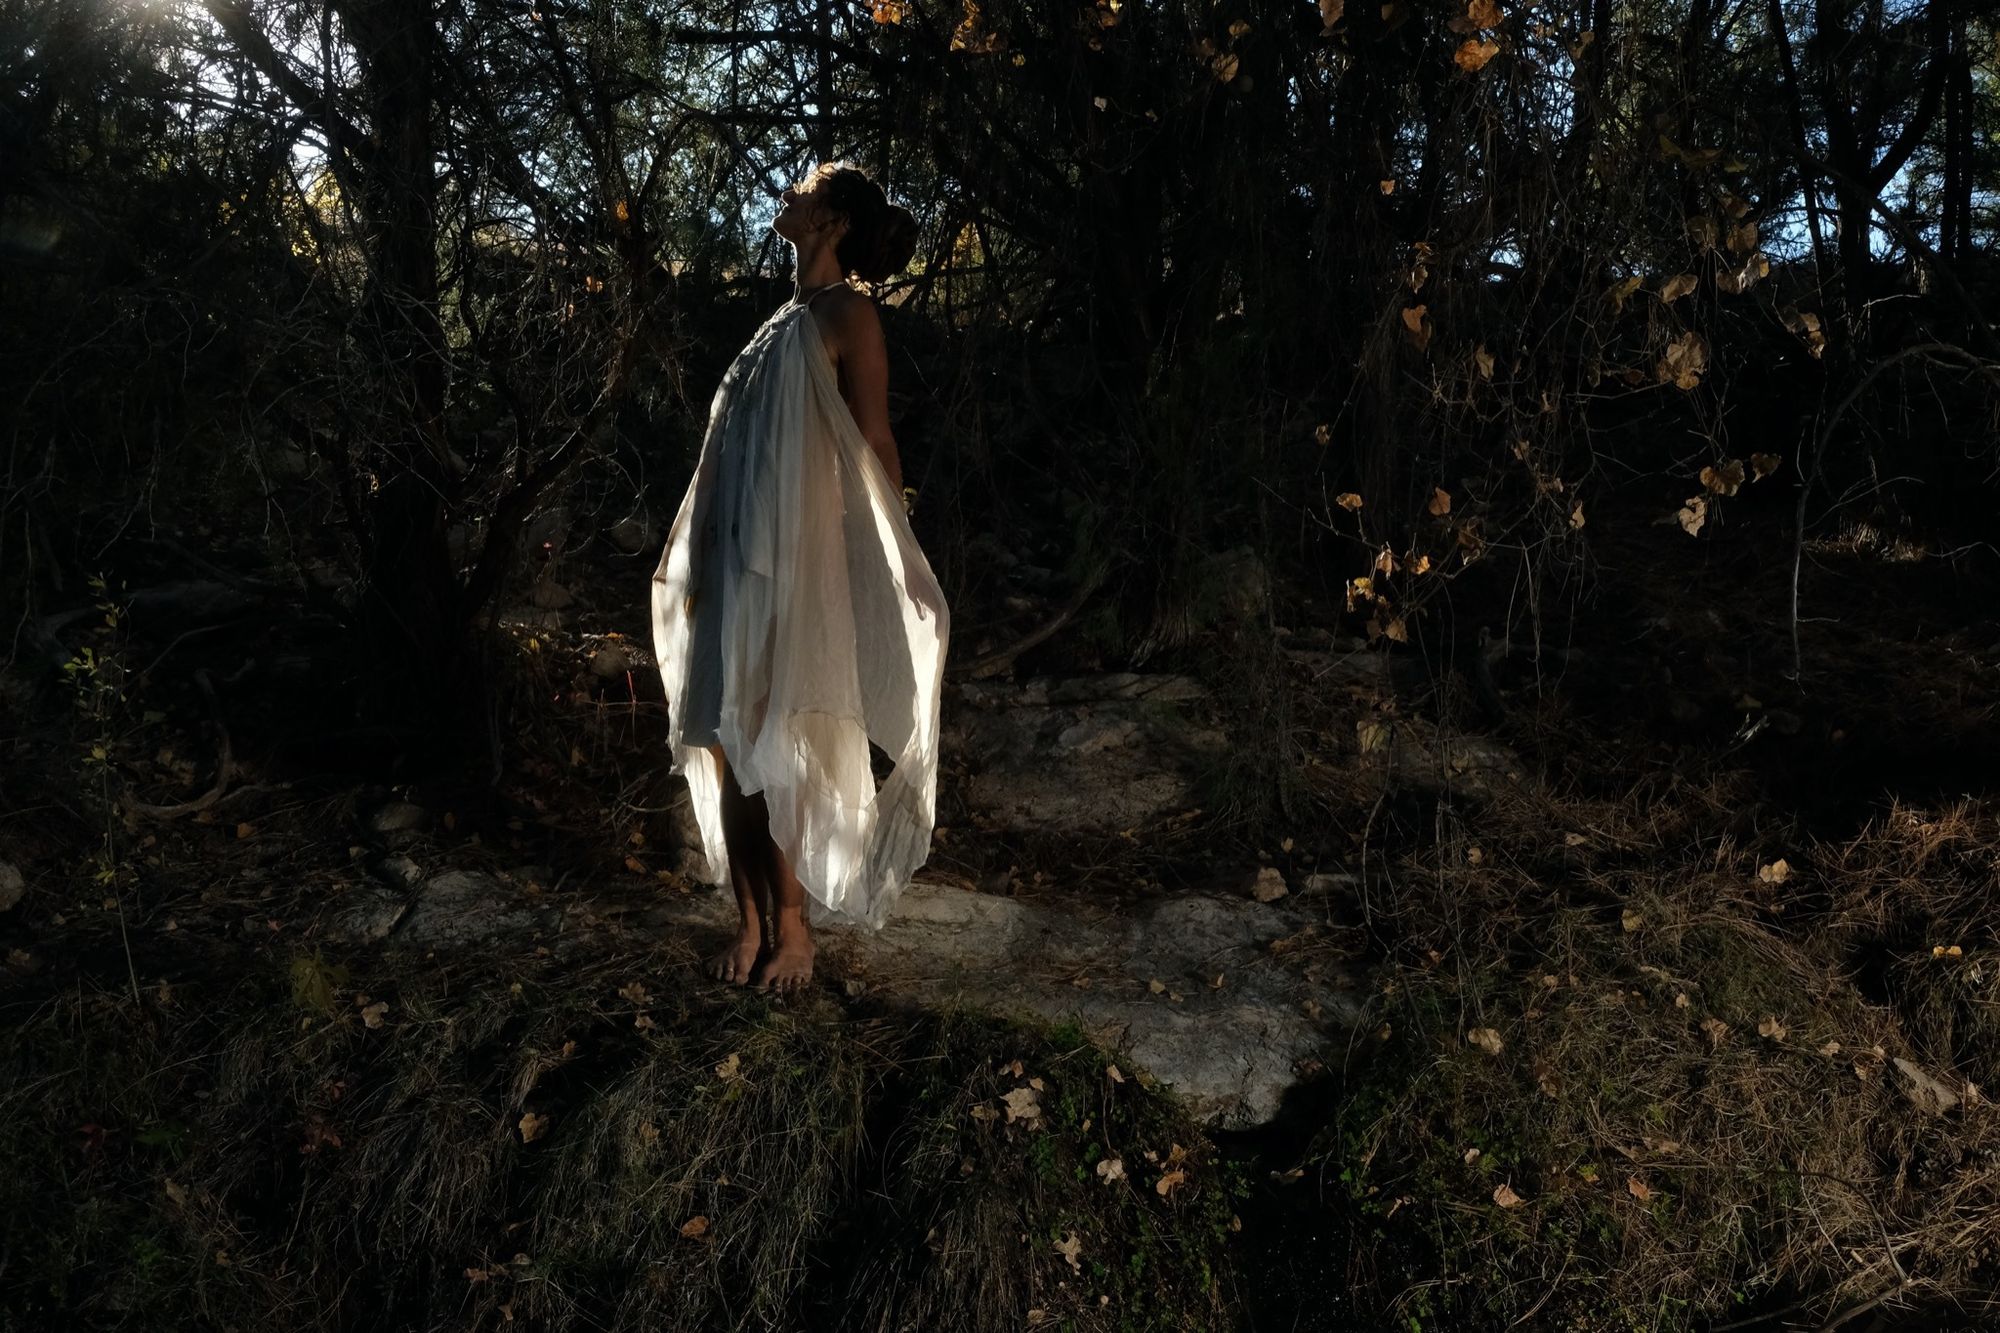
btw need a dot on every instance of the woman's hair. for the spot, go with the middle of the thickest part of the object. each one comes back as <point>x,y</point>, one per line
<point>881,236</point>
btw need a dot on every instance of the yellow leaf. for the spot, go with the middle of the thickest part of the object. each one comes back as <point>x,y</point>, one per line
<point>1631,920</point>
<point>1484,360</point>
<point>1726,479</point>
<point>1692,515</point>
<point>1238,28</point>
<point>1576,515</point>
<point>1440,503</point>
<point>1169,1182</point>
<point>1777,872</point>
<point>1621,291</point>
<point>1674,288</point>
<point>1771,1029</point>
<point>1503,1194</point>
<point>1417,325</point>
<point>1423,565</point>
<point>1486,1039</point>
<point>1224,66</point>
<point>1370,736</point>
<point>1473,53</point>
<point>730,1067</point>
<point>1483,14</point>
<point>1348,500</point>
<point>1385,562</point>
<point>622,211</point>
<point>890,11</point>
<point>1386,185</point>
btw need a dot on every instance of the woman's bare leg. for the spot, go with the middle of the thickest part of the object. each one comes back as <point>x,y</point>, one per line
<point>744,832</point>
<point>788,962</point>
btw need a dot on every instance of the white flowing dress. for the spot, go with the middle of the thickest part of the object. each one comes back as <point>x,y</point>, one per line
<point>796,619</point>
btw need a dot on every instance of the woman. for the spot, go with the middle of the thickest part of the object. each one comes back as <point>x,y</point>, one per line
<point>794,614</point>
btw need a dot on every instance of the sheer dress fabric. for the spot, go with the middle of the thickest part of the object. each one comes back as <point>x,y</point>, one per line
<point>796,619</point>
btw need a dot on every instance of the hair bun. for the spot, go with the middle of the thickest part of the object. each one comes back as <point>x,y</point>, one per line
<point>895,242</point>
<point>881,237</point>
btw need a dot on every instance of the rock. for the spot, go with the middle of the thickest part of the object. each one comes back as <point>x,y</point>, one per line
<point>1234,587</point>
<point>398,872</point>
<point>465,908</point>
<point>1268,885</point>
<point>548,595</point>
<point>614,657</point>
<point>1230,1051</point>
<point>1328,881</point>
<point>399,817</point>
<point>1924,1089</point>
<point>371,915</point>
<point>12,886</point>
<point>1103,752</point>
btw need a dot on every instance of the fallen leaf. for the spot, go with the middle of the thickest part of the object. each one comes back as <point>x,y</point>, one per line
<point>695,1227</point>
<point>1111,1072</point>
<point>1631,920</point>
<point>635,992</point>
<point>730,1067</point>
<point>1169,1182</point>
<point>1486,1039</point>
<point>1681,1000</point>
<point>1023,1104</point>
<point>1777,872</point>
<point>1503,1194</point>
<point>533,1127</point>
<point>1484,360</point>
<point>1771,1029</point>
<point>1471,1155</point>
<point>1111,1169</point>
<point>1717,1031</point>
<point>1440,503</point>
<point>1157,986</point>
<point>371,1015</point>
<point>1831,1048</point>
<point>1638,1188</point>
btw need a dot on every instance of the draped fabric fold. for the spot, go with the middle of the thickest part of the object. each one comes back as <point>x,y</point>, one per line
<point>796,619</point>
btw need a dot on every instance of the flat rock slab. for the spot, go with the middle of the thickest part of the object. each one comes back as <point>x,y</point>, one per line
<point>1186,987</point>
<point>1085,753</point>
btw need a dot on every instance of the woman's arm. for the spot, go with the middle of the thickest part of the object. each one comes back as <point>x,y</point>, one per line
<point>861,358</point>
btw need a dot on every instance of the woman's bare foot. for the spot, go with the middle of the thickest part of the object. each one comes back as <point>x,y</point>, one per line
<point>739,960</point>
<point>789,965</point>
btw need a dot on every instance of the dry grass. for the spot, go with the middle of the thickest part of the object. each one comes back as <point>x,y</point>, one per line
<point>247,1151</point>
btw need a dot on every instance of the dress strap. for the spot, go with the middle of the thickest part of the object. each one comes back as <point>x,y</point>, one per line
<point>815,293</point>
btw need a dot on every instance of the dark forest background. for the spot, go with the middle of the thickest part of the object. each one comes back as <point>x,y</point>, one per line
<point>399,301</point>
<point>1559,440</point>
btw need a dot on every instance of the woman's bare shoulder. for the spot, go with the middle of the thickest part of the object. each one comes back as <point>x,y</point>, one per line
<point>849,318</point>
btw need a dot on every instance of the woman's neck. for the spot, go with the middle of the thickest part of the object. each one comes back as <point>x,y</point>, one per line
<point>814,270</point>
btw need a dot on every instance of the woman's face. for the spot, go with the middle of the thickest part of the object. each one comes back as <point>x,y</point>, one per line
<point>805,212</point>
